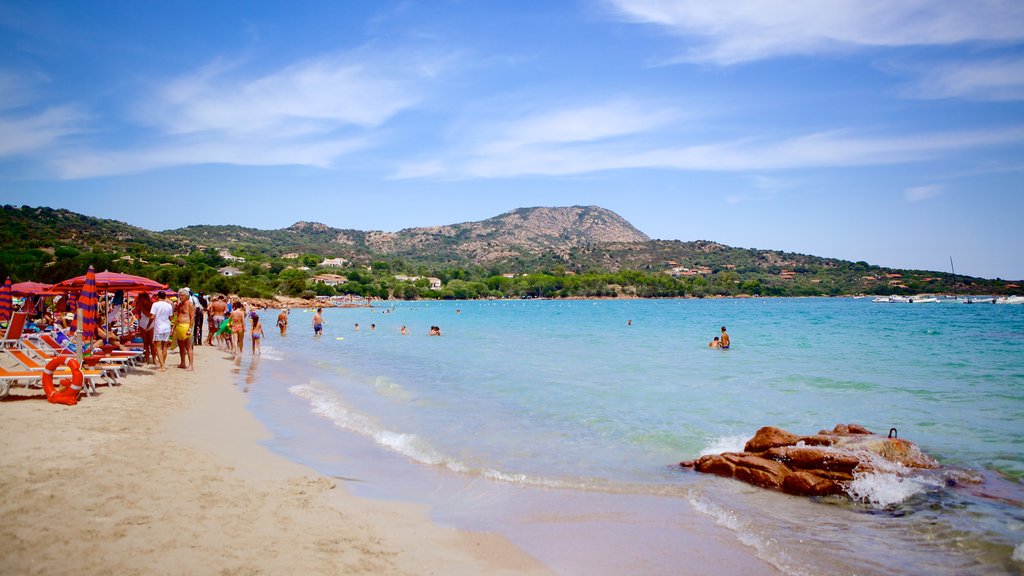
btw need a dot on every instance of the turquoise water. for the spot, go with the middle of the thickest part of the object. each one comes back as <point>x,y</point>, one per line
<point>565,395</point>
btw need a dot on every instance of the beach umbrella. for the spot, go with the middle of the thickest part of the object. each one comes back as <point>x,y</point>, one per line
<point>6,301</point>
<point>31,289</point>
<point>110,281</point>
<point>87,304</point>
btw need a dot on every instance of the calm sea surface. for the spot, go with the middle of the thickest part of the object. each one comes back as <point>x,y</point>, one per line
<point>565,398</point>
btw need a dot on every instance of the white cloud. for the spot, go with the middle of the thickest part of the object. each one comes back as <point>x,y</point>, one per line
<point>34,132</point>
<point>732,32</point>
<point>310,113</point>
<point>815,150</point>
<point>584,124</point>
<point>918,193</point>
<point>993,80</point>
<point>317,96</point>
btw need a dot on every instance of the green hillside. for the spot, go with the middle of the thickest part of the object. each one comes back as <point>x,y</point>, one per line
<point>540,252</point>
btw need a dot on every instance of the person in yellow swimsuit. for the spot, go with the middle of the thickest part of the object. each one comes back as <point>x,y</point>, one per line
<point>185,314</point>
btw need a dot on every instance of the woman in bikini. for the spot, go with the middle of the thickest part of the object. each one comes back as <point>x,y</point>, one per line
<point>238,325</point>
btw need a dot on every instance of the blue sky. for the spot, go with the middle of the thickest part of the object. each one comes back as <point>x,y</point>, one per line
<point>891,132</point>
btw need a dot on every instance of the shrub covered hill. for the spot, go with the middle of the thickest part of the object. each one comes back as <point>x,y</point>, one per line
<point>529,252</point>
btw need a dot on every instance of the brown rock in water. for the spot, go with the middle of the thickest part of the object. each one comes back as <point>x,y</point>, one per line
<point>813,458</point>
<point>821,465</point>
<point>804,483</point>
<point>761,472</point>
<point>770,437</point>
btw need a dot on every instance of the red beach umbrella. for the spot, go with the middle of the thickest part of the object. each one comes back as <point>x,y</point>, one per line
<point>87,304</point>
<point>6,301</point>
<point>109,281</point>
<point>30,288</point>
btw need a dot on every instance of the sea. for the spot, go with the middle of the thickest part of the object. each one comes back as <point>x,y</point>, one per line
<point>560,425</point>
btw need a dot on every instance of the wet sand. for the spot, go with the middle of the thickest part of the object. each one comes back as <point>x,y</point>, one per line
<point>165,475</point>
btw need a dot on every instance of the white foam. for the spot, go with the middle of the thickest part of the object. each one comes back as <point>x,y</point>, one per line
<point>882,489</point>
<point>726,444</point>
<point>1018,553</point>
<point>409,445</point>
<point>746,534</point>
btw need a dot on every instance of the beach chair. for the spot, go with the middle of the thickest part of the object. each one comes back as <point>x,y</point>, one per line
<point>97,362</point>
<point>52,346</point>
<point>14,329</point>
<point>108,377</point>
<point>61,341</point>
<point>11,378</point>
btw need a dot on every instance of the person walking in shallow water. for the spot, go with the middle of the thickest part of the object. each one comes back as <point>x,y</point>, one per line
<point>282,321</point>
<point>318,322</point>
<point>724,342</point>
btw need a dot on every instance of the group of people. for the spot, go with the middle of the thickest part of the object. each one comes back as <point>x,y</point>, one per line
<point>164,324</point>
<point>722,343</point>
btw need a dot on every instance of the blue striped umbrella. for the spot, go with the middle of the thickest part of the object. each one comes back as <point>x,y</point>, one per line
<point>6,301</point>
<point>87,304</point>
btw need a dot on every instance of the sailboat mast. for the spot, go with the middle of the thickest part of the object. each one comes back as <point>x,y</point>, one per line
<point>954,276</point>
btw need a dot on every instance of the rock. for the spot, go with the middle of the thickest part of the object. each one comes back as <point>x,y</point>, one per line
<point>761,472</point>
<point>807,484</point>
<point>770,437</point>
<point>814,458</point>
<point>817,465</point>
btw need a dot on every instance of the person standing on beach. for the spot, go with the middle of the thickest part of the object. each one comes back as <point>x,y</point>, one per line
<point>186,315</point>
<point>161,311</point>
<point>143,310</point>
<point>318,322</point>
<point>257,334</point>
<point>238,326</point>
<point>199,304</point>
<point>217,311</point>
<point>724,343</point>
<point>282,321</point>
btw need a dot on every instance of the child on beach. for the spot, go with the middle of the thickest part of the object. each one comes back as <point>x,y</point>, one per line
<point>257,334</point>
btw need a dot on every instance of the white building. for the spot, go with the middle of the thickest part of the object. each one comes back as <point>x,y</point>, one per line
<point>333,262</point>
<point>330,279</point>
<point>229,271</point>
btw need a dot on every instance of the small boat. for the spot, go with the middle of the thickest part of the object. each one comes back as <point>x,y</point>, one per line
<point>1010,300</point>
<point>923,300</point>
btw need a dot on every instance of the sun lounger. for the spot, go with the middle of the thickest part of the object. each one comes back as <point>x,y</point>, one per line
<point>10,378</point>
<point>100,362</point>
<point>109,377</point>
<point>14,329</point>
<point>61,341</point>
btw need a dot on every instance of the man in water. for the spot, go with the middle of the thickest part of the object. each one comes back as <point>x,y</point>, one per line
<point>282,321</point>
<point>724,345</point>
<point>715,343</point>
<point>318,322</point>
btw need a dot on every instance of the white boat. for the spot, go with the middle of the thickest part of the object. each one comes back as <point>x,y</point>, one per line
<point>923,300</point>
<point>1010,300</point>
<point>978,300</point>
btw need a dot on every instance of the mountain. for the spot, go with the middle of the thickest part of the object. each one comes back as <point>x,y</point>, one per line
<point>45,243</point>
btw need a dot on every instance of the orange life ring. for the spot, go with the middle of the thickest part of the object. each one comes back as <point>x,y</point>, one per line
<point>68,390</point>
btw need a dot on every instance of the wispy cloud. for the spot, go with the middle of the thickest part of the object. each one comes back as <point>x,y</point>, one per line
<point>309,113</point>
<point>918,193</point>
<point>1000,79</point>
<point>23,127</point>
<point>727,33</point>
<point>597,150</point>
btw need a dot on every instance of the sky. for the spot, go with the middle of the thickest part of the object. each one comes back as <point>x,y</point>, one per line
<point>889,132</point>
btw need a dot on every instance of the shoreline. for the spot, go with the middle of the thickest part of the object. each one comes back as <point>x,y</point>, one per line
<point>166,474</point>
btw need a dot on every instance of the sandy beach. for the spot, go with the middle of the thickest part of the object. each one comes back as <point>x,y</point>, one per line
<point>165,475</point>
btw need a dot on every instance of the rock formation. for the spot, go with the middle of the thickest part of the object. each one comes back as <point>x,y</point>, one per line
<point>817,465</point>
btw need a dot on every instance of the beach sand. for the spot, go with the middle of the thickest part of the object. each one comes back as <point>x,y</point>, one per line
<point>165,475</point>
